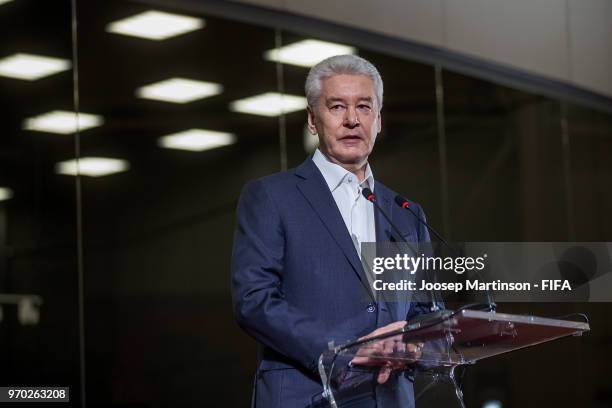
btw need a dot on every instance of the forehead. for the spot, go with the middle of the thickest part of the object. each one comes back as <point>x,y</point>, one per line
<point>347,86</point>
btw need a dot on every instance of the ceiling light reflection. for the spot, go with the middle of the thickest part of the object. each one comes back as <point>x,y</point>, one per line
<point>269,104</point>
<point>179,90</point>
<point>31,67</point>
<point>155,25</point>
<point>307,53</point>
<point>92,166</point>
<point>197,140</point>
<point>62,122</point>
<point>5,193</point>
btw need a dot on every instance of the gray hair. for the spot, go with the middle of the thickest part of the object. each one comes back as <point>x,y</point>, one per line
<point>341,64</point>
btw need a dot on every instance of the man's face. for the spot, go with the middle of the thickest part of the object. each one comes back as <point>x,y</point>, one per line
<point>346,118</point>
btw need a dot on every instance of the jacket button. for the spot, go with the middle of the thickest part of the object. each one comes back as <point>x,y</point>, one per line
<point>371,308</point>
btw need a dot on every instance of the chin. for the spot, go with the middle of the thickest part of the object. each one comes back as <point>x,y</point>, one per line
<point>351,158</point>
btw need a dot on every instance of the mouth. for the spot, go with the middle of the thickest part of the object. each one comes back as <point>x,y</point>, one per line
<point>350,138</point>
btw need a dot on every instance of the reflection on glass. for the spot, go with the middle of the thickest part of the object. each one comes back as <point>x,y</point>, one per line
<point>5,193</point>
<point>38,255</point>
<point>155,25</point>
<point>179,90</point>
<point>197,140</point>
<point>307,53</point>
<point>158,233</point>
<point>62,122</point>
<point>91,166</point>
<point>158,226</point>
<point>269,104</point>
<point>31,67</point>
<point>589,146</point>
<point>505,162</point>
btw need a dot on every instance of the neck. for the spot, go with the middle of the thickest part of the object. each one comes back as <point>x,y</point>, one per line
<point>357,170</point>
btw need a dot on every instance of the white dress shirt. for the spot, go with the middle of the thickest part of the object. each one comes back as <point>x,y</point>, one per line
<point>356,211</point>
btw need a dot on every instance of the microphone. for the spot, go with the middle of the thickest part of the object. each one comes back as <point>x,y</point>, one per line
<point>369,195</point>
<point>402,202</point>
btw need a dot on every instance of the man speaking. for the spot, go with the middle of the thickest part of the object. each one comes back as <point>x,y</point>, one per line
<point>297,278</point>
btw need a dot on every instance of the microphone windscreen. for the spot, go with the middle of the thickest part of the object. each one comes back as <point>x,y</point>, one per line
<point>401,201</point>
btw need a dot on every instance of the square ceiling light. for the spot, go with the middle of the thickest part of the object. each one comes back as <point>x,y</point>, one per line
<point>307,53</point>
<point>269,104</point>
<point>92,166</point>
<point>62,122</point>
<point>5,193</point>
<point>31,67</point>
<point>179,90</point>
<point>155,25</point>
<point>197,140</point>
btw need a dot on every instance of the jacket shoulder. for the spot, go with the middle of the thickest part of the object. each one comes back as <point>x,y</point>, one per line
<point>276,186</point>
<point>274,181</point>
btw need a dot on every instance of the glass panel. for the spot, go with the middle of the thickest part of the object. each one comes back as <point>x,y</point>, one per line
<point>406,158</point>
<point>38,241</point>
<point>590,169</point>
<point>158,233</point>
<point>505,163</point>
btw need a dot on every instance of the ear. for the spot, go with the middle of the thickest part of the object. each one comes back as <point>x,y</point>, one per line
<point>312,128</point>
<point>379,123</point>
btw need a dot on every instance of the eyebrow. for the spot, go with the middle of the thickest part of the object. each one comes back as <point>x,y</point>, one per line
<point>362,99</point>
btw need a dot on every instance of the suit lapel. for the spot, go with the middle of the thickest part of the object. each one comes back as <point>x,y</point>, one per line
<point>384,232</point>
<point>316,192</point>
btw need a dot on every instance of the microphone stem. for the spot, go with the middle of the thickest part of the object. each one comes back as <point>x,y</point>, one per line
<point>492,304</point>
<point>370,198</point>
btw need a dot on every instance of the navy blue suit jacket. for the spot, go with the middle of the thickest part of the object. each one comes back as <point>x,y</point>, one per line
<point>298,282</point>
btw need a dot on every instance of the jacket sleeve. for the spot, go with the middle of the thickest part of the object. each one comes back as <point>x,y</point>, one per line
<point>260,307</point>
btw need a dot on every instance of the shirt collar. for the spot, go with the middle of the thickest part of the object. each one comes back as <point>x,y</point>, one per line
<point>334,174</point>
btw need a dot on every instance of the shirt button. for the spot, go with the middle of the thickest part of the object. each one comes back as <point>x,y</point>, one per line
<point>371,308</point>
<point>350,180</point>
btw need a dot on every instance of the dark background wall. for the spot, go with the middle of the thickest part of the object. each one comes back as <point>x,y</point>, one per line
<point>487,162</point>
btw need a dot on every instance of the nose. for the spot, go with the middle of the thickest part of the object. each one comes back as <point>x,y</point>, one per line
<point>350,119</point>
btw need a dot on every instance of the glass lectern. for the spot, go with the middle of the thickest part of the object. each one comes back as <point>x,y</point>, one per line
<point>352,373</point>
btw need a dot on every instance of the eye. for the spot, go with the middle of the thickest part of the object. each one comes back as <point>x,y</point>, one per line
<point>336,107</point>
<point>364,107</point>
